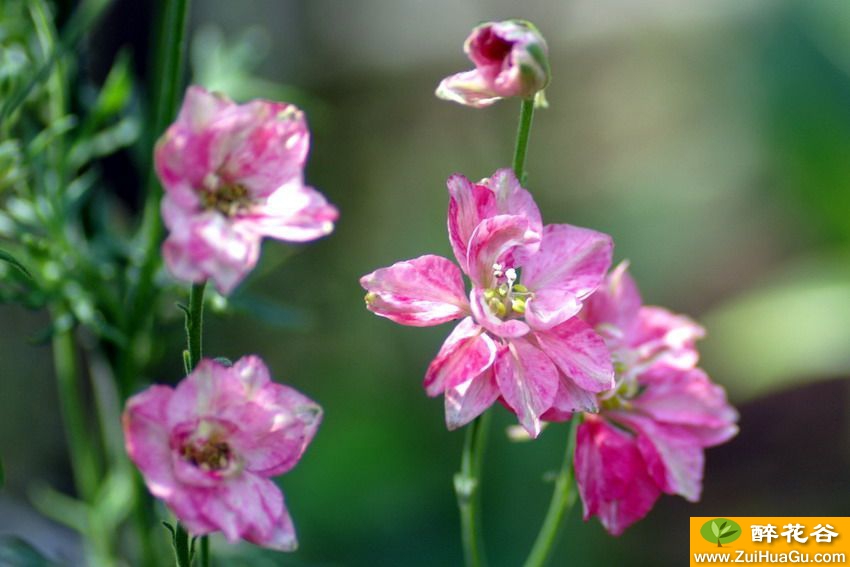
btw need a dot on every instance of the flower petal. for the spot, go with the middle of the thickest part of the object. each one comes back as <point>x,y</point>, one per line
<point>527,380</point>
<point>674,457</point>
<point>275,429</point>
<point>570,258</point>
<point>247,506</point>
<point>282,535</point>
<point>569,400</point>
<point>208,246</point>
<point>146,438</point>
<point>671,395</point>
<point>267,144</point>
<point>470,203</point>
<point>580,354</point>
<point>294,213</point>
<point>190,149</point>
<point>547,308</point>
<point>467,400</point>
<point>469,88</point>
<point>492,239</point>
<point>612,476</point>
<point>421,292</point>
<point>467,352</point>
<point>617,303</point>
<point>666,337</point>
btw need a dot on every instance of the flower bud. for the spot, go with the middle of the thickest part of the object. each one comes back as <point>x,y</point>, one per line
<point>511,59</point>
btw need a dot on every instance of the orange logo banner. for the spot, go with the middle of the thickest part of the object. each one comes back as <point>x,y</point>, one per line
<point>812,540</point>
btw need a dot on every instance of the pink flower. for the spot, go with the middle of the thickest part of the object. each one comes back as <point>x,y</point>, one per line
<point>520,343</point>
<point>233,173</point>
<point>510,60</point>
<point>651,434</point>
<point>208,447</point>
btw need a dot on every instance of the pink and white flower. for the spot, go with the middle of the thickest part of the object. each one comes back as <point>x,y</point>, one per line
<point>653,428</point>
<point>208,447</point>
<point>511,59</point>
<point>521,343</point>
<point>233,174</point>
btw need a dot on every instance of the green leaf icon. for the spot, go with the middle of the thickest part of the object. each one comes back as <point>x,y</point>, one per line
<point>720,531</point>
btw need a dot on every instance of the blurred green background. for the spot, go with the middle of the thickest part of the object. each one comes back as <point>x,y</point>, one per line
<point>711,139</point>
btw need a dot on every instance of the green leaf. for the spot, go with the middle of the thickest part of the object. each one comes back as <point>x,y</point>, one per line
<point>60,507</point>
<point>733,532</point>
<point>116,90</point>
<point>8,258</point>
<point>724,528</point>
<point>715,530</point>
<point>82,19</point>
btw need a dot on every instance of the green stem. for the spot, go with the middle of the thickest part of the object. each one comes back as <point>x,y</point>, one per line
<point>526,114</point>
<point>195,323</point>
<point>169,58</point>
<point>194,338</point>
<point>82,455</point>
<point>563,498</point>
<point>205,551</point>
<point>182,547</point>
<point>468,490</point>
<point>82,452</point>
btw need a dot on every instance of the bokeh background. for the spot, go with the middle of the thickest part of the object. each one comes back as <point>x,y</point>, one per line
<point>711,139</point>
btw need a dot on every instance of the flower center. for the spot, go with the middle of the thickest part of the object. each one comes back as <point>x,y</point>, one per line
<point>508,298</point>
<point>226,198</point>
<point>207,454</point>
<point>626,387</point>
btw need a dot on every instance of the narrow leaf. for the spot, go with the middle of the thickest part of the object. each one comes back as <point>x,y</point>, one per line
<point>8,258</point>
<point>714,529</point>
<point>733,532</point>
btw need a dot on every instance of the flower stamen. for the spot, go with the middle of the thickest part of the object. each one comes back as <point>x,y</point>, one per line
<point>228,199</point>
<point>209,455</point>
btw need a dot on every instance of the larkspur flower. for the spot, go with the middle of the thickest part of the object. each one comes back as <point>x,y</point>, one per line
<point>233,173</point>
<point>208,447</point>
<point>653,427</point>
<point>511,59</point>
<point>520,343</point>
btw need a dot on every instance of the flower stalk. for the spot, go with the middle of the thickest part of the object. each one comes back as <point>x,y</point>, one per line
<point>468,489</point>
<point>563,498</point>
<point>195,323</point>
<point>194,351</point>
<point>526,114</point>
<point>170,61</point>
